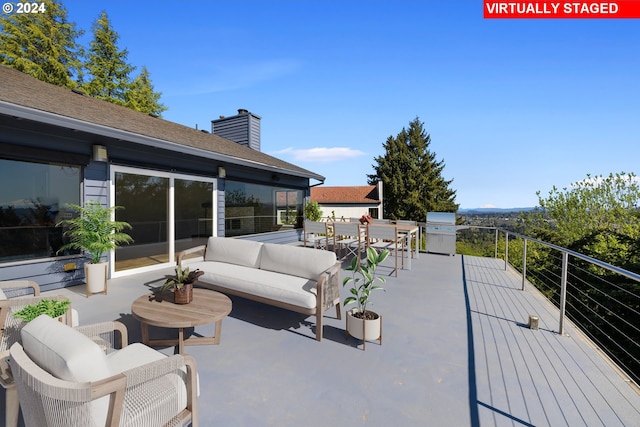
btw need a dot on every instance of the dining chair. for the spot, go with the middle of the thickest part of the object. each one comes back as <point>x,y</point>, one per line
<point>316,234</point>
<point>348,236</point>
<point>380,236</point>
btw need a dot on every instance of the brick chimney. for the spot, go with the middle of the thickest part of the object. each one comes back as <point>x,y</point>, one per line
<point>243,128</point>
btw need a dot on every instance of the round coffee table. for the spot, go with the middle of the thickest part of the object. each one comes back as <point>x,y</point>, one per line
<point>207,307</point>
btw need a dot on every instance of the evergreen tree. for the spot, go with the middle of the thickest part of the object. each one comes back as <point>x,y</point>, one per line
<point>106,64</point>
<point>42,44</point>
<point>142,97</point>
<point>411,177</point>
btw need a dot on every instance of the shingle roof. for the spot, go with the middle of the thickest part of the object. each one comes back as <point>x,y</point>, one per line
<point>356,194</point>
<point>21,89</point>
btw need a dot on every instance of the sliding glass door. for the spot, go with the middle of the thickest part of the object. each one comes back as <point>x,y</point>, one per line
<point>167,212</point>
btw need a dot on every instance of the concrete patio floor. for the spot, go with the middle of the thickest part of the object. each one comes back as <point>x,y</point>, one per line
<point>455,352</point>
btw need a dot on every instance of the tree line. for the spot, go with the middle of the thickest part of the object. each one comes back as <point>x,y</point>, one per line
<point>45,46</point>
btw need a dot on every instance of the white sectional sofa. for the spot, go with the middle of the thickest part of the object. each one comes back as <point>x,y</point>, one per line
<point>300,279</point>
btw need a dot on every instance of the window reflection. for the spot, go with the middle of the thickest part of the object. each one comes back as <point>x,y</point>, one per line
<point>254,208</point>
<point>33,199</point>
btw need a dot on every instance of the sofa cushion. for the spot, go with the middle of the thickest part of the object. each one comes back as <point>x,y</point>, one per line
<point>294,290</point>
<point>296,261</point>
<point>62,351</point>
<point>67,354</point>
<point>233,251</point>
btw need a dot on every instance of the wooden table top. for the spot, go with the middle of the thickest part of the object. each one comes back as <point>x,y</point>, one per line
<point>207,307</point>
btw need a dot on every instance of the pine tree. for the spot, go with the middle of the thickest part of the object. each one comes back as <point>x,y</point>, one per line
<point>142,97</point>
<point>412,177</point>
<point>42,44</point>
<point>106,64</point>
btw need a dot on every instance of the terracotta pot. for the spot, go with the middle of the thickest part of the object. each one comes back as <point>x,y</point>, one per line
<point>184,295</point>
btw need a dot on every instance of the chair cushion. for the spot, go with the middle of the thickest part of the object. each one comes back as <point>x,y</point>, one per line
<point>62,351</point>
<point>233,251</point>
<point>2,295</point>
<point>296,261</point>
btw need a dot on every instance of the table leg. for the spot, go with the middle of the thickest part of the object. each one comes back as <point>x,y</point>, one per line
<point>145,333</point>
<point>181,340</point>
<point>216,339</point>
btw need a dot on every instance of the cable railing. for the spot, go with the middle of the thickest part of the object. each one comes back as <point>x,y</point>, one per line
<point>602,300</point>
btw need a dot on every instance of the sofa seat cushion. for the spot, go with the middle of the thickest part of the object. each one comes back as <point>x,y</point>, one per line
<point>294,290</point>
<point>233,251</point>
<point>296,261</point>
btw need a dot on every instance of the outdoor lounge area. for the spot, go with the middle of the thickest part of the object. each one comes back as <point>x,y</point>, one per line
<point>456,351</point>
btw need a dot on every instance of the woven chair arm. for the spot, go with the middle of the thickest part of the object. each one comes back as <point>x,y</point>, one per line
<point>21,286</point>
<point>328,288</point>
<point>105,334</point>
<point>144,382</point>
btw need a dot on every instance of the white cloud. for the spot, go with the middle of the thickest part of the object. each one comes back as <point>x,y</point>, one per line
<point>319,154</point>
<point>488,206</point>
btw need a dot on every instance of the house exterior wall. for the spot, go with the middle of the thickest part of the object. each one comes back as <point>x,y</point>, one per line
<point>38,142</point>
<point>346,211</point>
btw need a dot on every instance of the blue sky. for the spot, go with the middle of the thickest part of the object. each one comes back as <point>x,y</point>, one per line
<point>512,106</point>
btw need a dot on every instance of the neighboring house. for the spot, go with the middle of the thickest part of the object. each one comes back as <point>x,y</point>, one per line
<point>177,185</point>
<point>349,202</point>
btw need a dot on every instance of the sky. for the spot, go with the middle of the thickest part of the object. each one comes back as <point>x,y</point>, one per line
<point>513,106</point>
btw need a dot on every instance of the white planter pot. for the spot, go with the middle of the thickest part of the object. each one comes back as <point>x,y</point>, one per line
<point>96,277</point>
<point>364,329</point>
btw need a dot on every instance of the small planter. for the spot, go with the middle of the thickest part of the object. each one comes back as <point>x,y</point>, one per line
<point>364,329</point>
<point>183,295</point>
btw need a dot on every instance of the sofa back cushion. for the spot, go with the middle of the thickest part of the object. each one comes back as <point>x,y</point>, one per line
<point>233,251</point>
<point>296,261</point>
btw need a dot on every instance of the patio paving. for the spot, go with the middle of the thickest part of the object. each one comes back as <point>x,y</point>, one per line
<point>455,352</point>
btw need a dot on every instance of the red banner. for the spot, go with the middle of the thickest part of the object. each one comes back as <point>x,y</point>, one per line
<point>561,9</point>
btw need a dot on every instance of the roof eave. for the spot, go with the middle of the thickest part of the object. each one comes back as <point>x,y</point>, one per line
<point>53,119</point>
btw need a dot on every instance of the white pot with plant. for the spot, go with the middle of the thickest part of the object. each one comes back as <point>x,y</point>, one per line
<point>362,323</point>
<point>96,232</point>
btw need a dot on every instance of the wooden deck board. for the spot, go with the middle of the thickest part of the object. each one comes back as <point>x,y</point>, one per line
<point>527,377</point>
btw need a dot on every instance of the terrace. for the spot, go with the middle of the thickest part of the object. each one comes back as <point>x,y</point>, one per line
<point>456,351</point>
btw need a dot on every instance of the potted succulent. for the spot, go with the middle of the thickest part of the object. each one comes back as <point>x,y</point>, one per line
<point>362,323</point>
<point>94,231</point>
<point>182,284</point>
<point>51,307</point>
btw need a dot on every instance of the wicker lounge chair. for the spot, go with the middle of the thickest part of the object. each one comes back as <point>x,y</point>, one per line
<point>74,377</point>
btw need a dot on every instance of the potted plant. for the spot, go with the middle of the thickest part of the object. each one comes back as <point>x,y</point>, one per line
<point>182,284</point>
<point>94,231</point>
<point>51,307</point>
<point>366,219</point>
<point>362,323</point>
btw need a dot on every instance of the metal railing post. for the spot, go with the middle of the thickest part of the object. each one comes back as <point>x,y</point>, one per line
<point>496,245</point>
<point>563,291</point>
<point>506,249</point>
<point>524,262</point>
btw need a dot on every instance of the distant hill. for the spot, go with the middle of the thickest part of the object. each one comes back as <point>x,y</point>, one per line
<point>493,210</point>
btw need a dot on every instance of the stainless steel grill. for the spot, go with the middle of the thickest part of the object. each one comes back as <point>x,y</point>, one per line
<point>441,232</point>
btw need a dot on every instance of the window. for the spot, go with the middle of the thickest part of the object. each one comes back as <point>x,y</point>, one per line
<point>33,199</point>
<point>167,212</point>
<point>255,208</point>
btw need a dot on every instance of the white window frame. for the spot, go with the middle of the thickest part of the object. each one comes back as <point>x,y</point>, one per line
<point>170,220</point>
